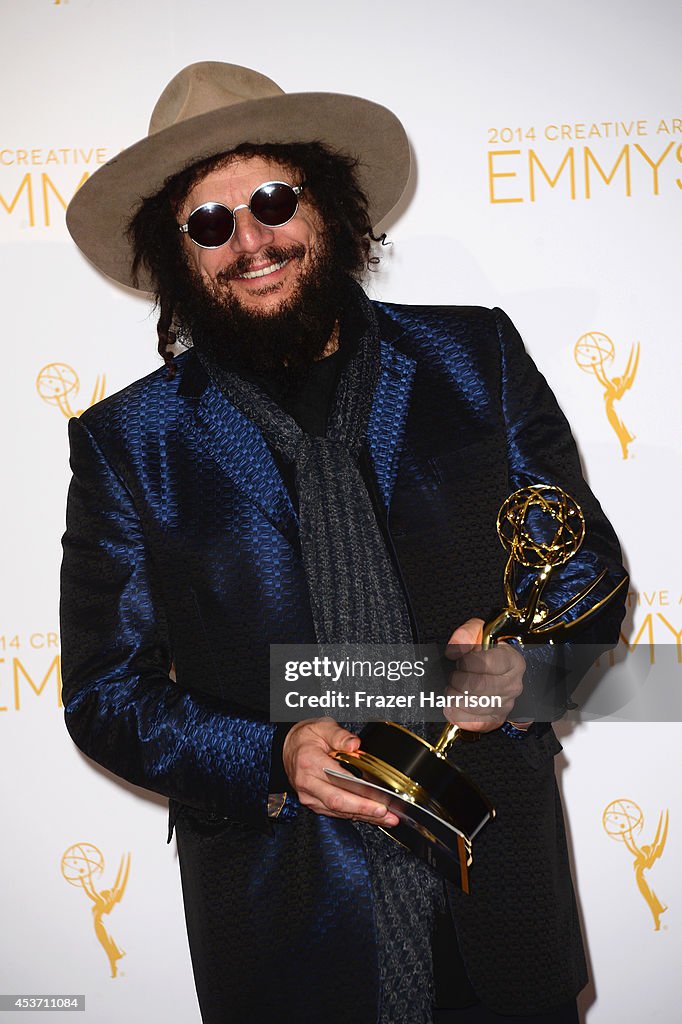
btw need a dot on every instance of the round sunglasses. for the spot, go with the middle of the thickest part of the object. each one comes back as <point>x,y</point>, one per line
<point>273,204</point>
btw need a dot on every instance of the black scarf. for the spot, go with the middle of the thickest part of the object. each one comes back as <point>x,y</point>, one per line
<point>338,528</point>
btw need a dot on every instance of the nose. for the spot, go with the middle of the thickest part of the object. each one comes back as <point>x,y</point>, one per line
<point>249,234</point>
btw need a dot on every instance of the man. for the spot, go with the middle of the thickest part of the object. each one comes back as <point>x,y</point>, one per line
<point>316,468</point>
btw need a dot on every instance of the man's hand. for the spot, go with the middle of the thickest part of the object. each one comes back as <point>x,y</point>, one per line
<point>306,754</point>
<point>495,672</point>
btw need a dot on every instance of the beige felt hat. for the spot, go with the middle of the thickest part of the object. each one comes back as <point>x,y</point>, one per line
<point>212,107</point>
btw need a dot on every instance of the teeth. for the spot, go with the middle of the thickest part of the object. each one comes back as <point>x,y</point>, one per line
<point>264,272</point>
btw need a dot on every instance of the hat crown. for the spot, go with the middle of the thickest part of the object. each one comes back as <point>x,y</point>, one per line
<point>211,108</point>
<point>205,86</point>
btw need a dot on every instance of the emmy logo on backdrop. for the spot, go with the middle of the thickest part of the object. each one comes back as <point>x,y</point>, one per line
<point>621,819</point>
<point>81,864</point>
<point>592,352</point>
<point>58,383</point>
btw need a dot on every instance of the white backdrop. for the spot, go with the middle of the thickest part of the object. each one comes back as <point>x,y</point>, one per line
<point>548,180</point>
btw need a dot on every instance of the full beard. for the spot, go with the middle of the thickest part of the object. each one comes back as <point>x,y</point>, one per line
<point>282,342</point>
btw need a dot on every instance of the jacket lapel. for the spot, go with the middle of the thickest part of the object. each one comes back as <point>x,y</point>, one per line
<point>240,451</point>
<point>386,428</point>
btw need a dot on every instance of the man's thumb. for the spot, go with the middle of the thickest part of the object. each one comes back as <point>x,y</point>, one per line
<point>465,637</point>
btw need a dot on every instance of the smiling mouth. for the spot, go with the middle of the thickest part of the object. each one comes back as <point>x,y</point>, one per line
<point>265,272</point>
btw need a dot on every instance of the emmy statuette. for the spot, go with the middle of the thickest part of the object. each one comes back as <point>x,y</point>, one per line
<point>440,809</point>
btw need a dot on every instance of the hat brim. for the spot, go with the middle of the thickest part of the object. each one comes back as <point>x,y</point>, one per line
<point>100,212</point>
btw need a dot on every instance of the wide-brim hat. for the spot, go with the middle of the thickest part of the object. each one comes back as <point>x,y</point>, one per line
<point>210,108</point>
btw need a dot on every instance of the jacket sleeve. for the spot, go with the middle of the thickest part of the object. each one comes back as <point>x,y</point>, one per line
<point>541,449</point>
<point>122,707</point>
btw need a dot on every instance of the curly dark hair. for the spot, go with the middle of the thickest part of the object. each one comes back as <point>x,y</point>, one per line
<point>330,184</point>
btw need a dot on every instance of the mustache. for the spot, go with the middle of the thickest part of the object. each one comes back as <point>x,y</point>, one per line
<point>275,253</point>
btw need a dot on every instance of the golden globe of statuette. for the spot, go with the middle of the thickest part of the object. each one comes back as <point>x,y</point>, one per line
<point>540,525</point>
<point>81,862</point>
<point>593,349</point>
<point>621,818</point>
<point>56,381</point>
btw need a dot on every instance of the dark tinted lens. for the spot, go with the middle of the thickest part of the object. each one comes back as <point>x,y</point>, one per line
<point>274,204</point>
<point>211,225</point>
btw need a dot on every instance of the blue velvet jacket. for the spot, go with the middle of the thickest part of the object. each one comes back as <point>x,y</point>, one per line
<point>181,550</point>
